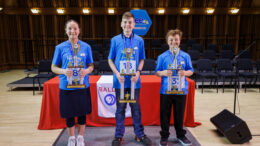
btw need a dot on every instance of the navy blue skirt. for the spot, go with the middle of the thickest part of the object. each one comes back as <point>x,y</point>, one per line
<point>74,103</point>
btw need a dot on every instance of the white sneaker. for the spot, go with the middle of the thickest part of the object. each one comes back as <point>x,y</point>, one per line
<point>72,141</point>
<point>80,141</point>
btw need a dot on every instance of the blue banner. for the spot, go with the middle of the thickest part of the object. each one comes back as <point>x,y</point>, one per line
<point>142,22</point>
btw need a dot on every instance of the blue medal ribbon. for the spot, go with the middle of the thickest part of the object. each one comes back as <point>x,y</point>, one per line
<point>73,53</point>
<point>131,38</point>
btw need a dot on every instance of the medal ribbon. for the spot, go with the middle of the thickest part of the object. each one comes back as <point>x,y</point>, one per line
<point>126,51</point>
<point>175,58</point>
<point>74,49</point>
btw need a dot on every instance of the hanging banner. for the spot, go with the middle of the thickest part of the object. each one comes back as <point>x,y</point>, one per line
<point>142,22</point>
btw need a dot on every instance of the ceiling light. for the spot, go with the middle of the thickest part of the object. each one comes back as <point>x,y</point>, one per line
<point>35,10</point>
<point>111,11</point>
<point>185,10</point>
<point>86,11</point>
<point>234,10</point>
<point>210,10</point>
<point>1,8</point>
<point>60,11</point>
<point>161,11</point>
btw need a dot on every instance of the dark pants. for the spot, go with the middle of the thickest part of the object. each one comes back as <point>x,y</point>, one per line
<point>166,102</point>
<point>135,111</point>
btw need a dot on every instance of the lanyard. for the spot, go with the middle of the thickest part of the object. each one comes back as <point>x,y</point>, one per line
<point>175,58</point>
<point>131,38</point>
<point>128,51</point>
<point>74,49</point>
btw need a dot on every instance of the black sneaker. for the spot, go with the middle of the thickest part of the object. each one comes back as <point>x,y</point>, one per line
<point>144,140</point>
<point>184,141</point>
<point>163,142</point>
<point>117,142</point>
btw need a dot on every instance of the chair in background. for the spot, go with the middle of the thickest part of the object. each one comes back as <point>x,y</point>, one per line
<point>107,47</point>
<point>246,54</point>
<point>257,79</point>
<point>245,70</point>
<point>105,55</point>
<point>97,47</point>
<point>155,46</point>
<point>106,42</point>
<point>165,47</point>
<point>96,59</point>
<point>225,70</point>
<point>205,71</point>
<point>228,47</point>
<point>210,54</point>
<point>190,42</point>
<point>184,47</point>
<point>213,47</point>
<point>197,47</point>
<point>149,67</point>
<point>44,72</point>
<point>148,48</point>
<point>156,43</point>
<point>195,56</point>
<point>226,54</point>
<point>91,42</point>
<point>156,51</point>
<point>103,68</point>
<point>95,55</point>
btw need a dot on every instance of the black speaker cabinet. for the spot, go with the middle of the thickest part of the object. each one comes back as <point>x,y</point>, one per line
<point>232,127</point>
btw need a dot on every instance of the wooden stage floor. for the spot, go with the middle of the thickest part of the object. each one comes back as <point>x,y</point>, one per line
<point>20,111</point>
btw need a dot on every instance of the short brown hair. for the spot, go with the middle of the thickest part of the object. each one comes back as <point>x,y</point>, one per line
<point>172,33</point>
<point>127,15</point>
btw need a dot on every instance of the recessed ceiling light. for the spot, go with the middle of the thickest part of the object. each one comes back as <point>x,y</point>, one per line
<point>35,10</point>
<point>111,11</point>
<point>234,10</point>
<point>60,10</point>
<point>185,10</point>
<point>161,11</point>
<point>86,11</point>
<point>210,10</point>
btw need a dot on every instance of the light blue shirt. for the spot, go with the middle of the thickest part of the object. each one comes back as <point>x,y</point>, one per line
<point>61,58</point>
<point>163,62</point>
<point>117,54</point>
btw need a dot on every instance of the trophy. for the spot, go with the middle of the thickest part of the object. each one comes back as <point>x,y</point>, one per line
<point>175,82</point>
<point>127,68</point>
<point>75,65</point>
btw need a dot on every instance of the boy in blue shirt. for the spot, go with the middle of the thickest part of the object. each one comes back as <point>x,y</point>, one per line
<point>176,57</point>
<point>127,40</point>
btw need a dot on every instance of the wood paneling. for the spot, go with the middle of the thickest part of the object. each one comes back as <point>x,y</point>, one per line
<point>100,31</point>
<point>26,38</point>
<point>87,26</point>
<point>111,29</point>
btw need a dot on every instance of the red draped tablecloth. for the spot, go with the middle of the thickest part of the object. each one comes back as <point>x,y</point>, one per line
<point>149,101</point>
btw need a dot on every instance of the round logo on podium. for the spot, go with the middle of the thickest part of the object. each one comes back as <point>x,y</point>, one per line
<point>110,99</point>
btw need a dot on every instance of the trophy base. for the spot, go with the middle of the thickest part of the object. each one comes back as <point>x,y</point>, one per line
<point>133,74</point>
<point>80,66</point>
<point>174,92</point>
<point>127,101</point>
<point>76,86</point>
